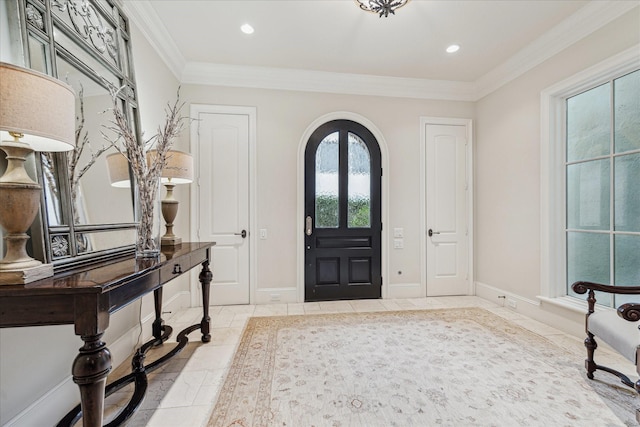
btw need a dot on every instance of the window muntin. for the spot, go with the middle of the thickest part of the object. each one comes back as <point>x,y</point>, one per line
<point>602,171</point>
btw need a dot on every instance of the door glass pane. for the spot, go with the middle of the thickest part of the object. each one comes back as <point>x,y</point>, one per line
<point>588,195</point>
<point>627,112</point>
<point>327,182</point>
<point>359,205</point>
<point>588,260</point>
<point>589,124</point>
<point>627,193</point>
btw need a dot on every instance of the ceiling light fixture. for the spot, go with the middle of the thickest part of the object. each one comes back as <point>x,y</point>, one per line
<point>453,48</point>
<point>381,7</point>
<point>247,29</point>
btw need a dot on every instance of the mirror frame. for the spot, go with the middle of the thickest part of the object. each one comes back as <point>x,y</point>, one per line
<point>39,19</point>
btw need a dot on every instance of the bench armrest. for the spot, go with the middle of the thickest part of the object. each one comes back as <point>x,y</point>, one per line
<point>630,311</point>
<point>583,287</point>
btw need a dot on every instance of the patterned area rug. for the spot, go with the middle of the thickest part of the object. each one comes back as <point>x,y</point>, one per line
<point>462,367</point>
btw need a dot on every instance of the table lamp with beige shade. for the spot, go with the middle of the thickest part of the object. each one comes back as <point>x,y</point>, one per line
<point>178,169</point>
<point>37,113</point>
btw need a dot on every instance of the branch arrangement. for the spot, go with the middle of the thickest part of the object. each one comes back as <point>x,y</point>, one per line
<point>146,170</point>
<point>136,153</point>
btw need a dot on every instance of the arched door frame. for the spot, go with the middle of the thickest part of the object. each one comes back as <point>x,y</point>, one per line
<point>384,161</point>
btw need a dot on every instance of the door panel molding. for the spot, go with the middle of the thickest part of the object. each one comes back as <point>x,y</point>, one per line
<point>300,221</point>
<point>468,124</point>
<point>251,112</point>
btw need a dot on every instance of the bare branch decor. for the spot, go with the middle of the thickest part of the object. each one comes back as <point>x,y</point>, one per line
<point>146,170</point>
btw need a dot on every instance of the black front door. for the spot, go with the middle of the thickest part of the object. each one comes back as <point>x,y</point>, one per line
<point>342,213</point>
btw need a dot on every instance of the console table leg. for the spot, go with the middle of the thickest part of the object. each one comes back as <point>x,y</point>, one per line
<point>205,280</point>
<point>90,369</point>
<point>158,323</point>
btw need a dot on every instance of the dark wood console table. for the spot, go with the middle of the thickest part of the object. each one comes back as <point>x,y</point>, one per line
<point>87,297</point>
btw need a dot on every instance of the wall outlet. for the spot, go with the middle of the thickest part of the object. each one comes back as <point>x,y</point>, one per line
<point>263,234</point>
<point>512,303</point>
<point>398,232</point>
<point>398,243</point>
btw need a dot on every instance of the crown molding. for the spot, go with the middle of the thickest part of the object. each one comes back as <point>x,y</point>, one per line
<point>579,25</point>
<point>321,81</point>
<point>151,26</point>
<point>585,21</point>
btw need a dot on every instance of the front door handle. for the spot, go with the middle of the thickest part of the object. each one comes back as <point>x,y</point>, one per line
<point>431,232</point>
<point>308,226</point>
<point>243,234</point>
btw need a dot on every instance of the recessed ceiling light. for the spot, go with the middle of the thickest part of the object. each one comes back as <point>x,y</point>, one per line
<point>453,48</point>
<point>247,29</point>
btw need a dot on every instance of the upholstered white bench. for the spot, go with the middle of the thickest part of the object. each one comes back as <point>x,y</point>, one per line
<point>619,329</point>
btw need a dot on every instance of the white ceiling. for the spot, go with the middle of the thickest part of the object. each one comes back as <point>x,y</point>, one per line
<point>497,38</point>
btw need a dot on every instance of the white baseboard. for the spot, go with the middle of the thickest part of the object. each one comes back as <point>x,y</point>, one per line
<point>405,290</point>
<point>288,295</point>
<point>283,295</point>
<point>60,399</point>
<point>566,319</point>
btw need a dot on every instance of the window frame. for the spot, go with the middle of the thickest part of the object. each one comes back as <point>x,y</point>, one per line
<point>553,260</point>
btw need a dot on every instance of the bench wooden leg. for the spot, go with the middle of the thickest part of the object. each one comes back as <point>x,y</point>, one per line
<point>591,345</point>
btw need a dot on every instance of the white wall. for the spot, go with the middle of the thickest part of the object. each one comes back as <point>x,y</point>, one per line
<point>508,167</point>
<point>36,388</point>
<point>282,118</point>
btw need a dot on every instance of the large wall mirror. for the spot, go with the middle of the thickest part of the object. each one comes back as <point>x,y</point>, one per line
<point>86,44</point>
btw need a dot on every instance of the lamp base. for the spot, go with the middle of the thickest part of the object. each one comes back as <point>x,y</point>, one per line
<point>17,267</point>
<point>169,212</point>
<point>170,240</point>
<point>19,205</point>
<point>25,275</point>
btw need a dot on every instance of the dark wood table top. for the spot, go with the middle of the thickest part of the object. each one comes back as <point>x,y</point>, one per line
<point>109,284</point>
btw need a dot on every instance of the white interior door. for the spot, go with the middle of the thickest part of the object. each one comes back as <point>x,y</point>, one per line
<point>223,202</point>
<point>447,210</point>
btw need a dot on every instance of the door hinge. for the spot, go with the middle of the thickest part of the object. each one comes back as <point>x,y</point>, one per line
<point>381,281</point>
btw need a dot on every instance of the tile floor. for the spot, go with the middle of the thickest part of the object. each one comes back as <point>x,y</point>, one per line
<point>182,391</point>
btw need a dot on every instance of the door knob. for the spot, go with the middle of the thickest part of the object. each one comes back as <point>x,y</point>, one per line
<point>243,234</point>
<point>431,232</point>
<point>308,225</point>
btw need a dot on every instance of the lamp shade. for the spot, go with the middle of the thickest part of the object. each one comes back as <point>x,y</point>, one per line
<point>38,106</point>
<point>178,167</point>
<point>118,169</point>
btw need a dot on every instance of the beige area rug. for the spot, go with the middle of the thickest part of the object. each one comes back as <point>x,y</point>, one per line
<point>454,367</point>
